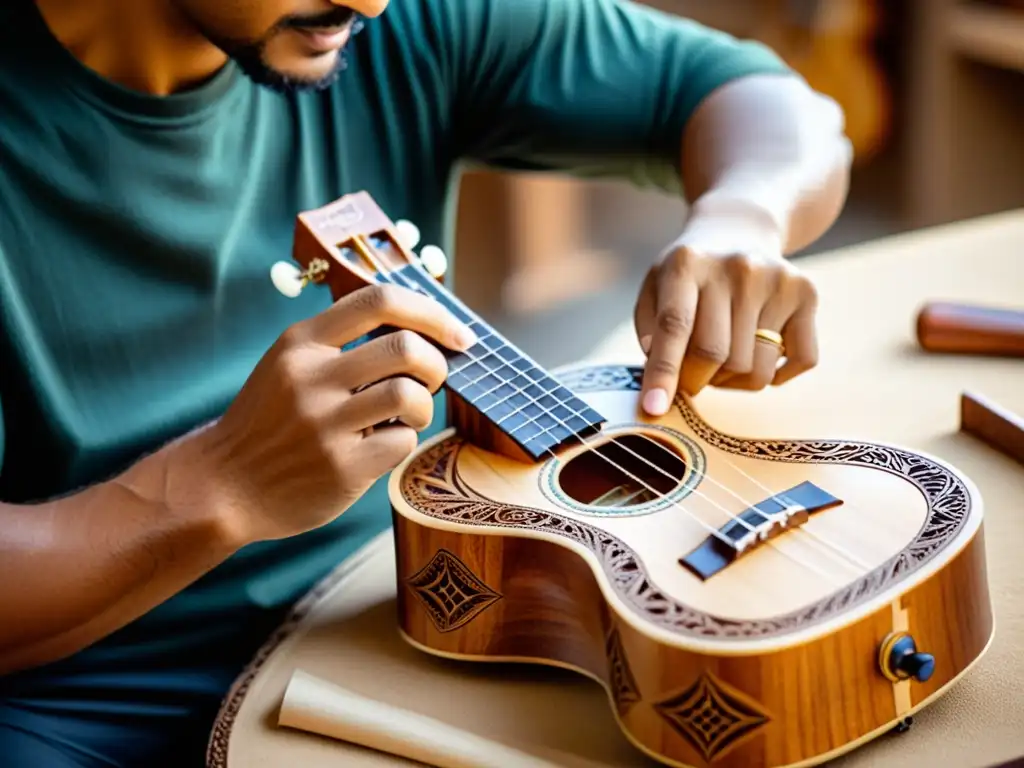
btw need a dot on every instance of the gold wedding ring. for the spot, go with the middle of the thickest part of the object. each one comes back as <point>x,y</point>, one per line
<point>772,337</point>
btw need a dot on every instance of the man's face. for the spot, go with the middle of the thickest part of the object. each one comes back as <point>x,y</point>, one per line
<point>282,44</point>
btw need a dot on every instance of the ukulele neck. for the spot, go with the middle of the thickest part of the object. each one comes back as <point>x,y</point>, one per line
<point>498,398</point>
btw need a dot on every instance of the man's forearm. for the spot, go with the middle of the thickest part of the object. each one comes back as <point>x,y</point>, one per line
<point>76,569</point>
<point>769,151</point>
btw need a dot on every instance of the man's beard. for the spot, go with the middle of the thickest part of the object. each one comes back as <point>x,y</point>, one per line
<point>250,59</point>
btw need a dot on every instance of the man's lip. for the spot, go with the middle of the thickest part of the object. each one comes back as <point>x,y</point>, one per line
<point>324,39</point>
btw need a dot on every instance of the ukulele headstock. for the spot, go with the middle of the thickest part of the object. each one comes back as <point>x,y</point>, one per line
<point>351,243</point>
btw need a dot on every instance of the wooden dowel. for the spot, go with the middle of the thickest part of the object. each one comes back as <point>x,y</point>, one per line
<point>971,329</point>
<point>993,424</point>
<point>317,706</point>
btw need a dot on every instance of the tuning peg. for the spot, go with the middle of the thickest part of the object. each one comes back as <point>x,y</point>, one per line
<point>408,232</point>
<point>434,261</point>
<point>290,280</point>
<point>287,278</point>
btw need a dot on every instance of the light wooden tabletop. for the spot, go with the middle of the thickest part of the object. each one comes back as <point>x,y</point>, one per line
<point>872,382</point>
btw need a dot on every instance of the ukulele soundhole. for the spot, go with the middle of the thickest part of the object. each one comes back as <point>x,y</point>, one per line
<point>626,472</point>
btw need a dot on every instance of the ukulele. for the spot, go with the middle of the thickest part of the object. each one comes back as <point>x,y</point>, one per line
<point>743,602</point>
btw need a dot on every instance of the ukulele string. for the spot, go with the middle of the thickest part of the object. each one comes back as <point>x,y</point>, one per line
<point>612,441</point>
<point>387,275</point>
<point>779,497</point>
<point>702,475</point>
<point>657,494</point>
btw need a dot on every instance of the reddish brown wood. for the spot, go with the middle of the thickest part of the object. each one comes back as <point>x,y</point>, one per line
<point>995,425</point>
<point>971,329</point>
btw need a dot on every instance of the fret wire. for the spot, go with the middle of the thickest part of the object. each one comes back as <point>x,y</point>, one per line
<point>488,373</point>
<point>529,401</point>
<point>471,321</point>
<point>549,431</point>
<point>505,363</point>
<point>573,412</point>
<point>501,384</point>
<point>516,390</point>
<point>519,390</point>
<point>530,398</point>
<point>490,351</point>
<point>495,372</point>
<point>555,395</point>
<point>533,419</point>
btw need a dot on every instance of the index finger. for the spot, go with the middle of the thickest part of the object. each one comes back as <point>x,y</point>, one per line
<point>379,306</point>
<point>673,324</point>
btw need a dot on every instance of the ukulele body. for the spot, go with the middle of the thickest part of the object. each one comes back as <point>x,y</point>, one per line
<point>799,650</point>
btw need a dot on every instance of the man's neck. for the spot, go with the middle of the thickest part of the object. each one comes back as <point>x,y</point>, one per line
<point>144,45</point>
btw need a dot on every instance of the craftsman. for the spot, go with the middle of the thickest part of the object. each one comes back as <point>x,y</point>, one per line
<point>179,440</point>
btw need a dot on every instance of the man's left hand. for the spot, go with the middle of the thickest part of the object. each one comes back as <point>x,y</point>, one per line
<point>698,319</point>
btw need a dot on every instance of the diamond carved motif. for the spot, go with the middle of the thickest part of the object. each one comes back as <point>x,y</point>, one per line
<point>450,592</point>
<point>625,690</point>
<point>711,717</point>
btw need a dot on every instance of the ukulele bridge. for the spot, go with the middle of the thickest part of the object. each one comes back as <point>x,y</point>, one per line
<point>756,525</point>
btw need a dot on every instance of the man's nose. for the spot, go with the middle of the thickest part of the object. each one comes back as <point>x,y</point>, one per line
<point>367,8</point>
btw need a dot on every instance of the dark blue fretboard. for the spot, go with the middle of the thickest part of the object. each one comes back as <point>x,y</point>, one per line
<point>504,385</point>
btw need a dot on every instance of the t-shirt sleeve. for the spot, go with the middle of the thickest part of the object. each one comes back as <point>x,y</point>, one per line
<point>594,87</point>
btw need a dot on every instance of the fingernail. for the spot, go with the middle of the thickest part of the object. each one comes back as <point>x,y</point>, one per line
<point>645,344</point>
<point>656,402</point>
<point>464,338</point>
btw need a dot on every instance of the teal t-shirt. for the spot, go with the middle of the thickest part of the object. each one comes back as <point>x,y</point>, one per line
<point>137,233</point>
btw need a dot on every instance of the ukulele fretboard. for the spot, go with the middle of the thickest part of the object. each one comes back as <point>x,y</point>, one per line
<point>504,385</point>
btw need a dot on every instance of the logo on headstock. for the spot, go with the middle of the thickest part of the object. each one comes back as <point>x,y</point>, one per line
<point>345,216</point>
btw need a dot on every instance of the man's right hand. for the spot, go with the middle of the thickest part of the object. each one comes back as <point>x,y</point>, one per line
<point>290,454</point>
<point>296,448</point>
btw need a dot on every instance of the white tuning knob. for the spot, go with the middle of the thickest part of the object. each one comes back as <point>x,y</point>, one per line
<point>434,261</point>
<point>287,278</point>
<point>409,233</point>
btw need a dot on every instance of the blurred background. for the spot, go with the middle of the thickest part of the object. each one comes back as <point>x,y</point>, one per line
<point>933,92</point>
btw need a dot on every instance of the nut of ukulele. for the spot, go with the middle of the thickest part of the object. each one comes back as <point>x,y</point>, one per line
<point>970,329</point>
